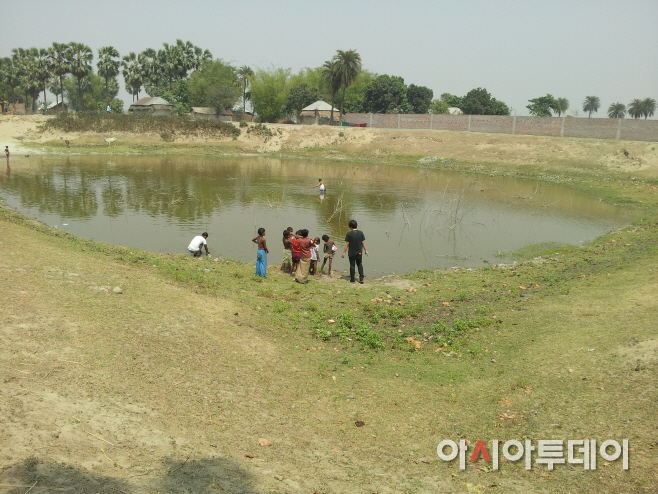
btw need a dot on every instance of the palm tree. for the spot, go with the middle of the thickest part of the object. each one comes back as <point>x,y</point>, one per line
<point>591,104</point>
<point>561,106</point>
<point>148,60</point>
<point>132,73</point>
<point>635,109</point>
<point>41,71</point>
<point>81,58</point>
<point>10,75</point>
<point>349,66</point>
<point>108,66</point>
<point>332,77</point>
<point>20,58</point>
<point>60,58</point>
<point>648,107</point>
<point>244,73</point>
<point>617,110</point>
<point>200,57</point>
<point>31,75</point>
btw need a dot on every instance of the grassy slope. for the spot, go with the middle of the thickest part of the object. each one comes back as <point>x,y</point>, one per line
<point>172,352</point>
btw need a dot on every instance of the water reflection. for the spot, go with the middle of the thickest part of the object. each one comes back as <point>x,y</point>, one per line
<point>412,218</point>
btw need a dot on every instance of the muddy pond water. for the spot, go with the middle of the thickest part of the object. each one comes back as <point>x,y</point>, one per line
<point>412,218</point>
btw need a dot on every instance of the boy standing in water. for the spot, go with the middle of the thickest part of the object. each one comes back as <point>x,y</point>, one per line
<point>355,241</point>
<point>328,250</point>
<point>261,255</point>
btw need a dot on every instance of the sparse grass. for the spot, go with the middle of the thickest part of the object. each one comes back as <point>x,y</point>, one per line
<point>168,127</point>
<point>553,360</point>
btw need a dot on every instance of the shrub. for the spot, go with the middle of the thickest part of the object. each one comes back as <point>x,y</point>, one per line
<point>105,123</point>
<point>243,123</point>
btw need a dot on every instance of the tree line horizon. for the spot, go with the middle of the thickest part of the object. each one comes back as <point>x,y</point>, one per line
<point>187,75</point>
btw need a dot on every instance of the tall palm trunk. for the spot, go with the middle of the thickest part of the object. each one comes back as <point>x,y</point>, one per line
<point>61,87</point>
<point>79,95</point>
<point>45,105</point>
<point>342,103</point>
<point>333,99</point>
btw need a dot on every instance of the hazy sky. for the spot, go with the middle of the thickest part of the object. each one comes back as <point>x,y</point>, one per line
<point>515,49</point>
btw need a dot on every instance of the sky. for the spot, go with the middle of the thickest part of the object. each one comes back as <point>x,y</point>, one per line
<point>517,50</point>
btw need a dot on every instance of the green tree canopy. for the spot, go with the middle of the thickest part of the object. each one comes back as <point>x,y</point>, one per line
<point>648,107</point>
<point>269,93</point>
<point>214,85</point>
<point>479,102</point>
<point>452,100</point>
<point>244,74</point>
<point>355,94</point>
<point>561,106</point>
<point>301,96</point>
<point>92,89</point>
<point>349,67</point>
<point>81,58</point>
<point>542,106</point>
<point>635,108</point>
<point>386,94</point>
<point>617,110</point>
<point>591,104</point>
<point>108,66</point>
<point>439,107</point>
<point>420,98</point>
<point>60,57</point>
<point>331,78</point>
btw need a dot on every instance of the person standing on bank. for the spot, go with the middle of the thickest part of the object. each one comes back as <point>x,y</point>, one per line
<point>355,244</point>
<point>7,154</point>
<point>305,244</point>
<point>197,244</point>
<point>261,255</point>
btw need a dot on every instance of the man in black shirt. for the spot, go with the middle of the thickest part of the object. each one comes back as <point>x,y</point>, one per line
<point>355,241</point>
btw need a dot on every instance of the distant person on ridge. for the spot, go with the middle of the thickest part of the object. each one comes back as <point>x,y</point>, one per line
<point>197,244</point>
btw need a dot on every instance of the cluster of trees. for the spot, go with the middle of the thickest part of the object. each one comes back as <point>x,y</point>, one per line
<point>476,102</point>
<point>186,75</point>
<point>637,108</point>
<point>64,69</point>
<point>545,106</point>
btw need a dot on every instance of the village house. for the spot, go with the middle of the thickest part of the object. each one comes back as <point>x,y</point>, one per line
<point>318,113</point>
<point>156,107</point>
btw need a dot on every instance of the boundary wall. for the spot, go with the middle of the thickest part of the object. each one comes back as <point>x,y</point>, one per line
<point>594,128</point>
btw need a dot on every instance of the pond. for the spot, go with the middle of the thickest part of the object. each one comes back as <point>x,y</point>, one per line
<point>413,218</point>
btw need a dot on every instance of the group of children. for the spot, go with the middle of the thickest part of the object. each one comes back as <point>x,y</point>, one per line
<point>297,246</point>
<point>300,254</point>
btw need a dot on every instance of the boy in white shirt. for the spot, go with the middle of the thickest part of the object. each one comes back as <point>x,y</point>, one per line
<point>197,244</point>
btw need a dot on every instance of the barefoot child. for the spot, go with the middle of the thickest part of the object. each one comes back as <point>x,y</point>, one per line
<point>286,265</point>
<point>296,250</point>
<point>315,254</point>
<point>261,255</point>
<point>329,248</point>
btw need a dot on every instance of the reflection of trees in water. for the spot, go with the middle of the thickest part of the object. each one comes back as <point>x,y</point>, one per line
<point>112,197</point>
<point>68,192</point>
